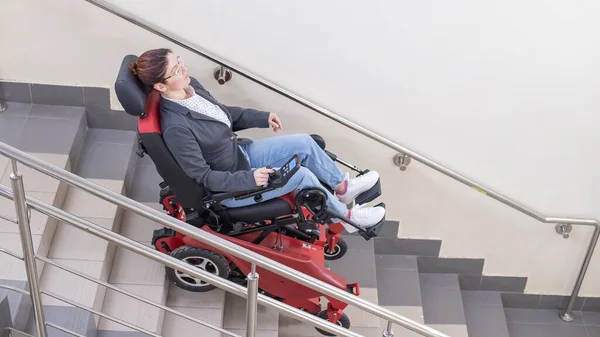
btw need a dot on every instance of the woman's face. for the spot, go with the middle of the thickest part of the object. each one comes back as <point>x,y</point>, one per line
<point>176,75</point>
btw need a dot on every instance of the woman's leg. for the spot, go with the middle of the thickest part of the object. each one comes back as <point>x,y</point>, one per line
<point>276,151</point>
<point>304,178</point>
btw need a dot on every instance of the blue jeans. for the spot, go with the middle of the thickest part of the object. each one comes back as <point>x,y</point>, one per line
<point>316,165</point>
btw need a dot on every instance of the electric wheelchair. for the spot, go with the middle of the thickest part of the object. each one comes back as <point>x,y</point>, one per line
<point>295,229</point>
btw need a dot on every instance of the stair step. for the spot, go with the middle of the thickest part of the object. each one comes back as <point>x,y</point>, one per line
<point>399,289</point>
<point>443,307</point>
<point>234,319</point>
<point>139,275</point>
<point>484,314</point>
<point>106,159</point>
<point>132,271</point>
<point>53,134</point>
<point>142,277</point>
<point>207,307</point>
<point>547,323</point>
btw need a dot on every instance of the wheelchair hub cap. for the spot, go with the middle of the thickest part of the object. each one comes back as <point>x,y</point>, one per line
<point>336,250</point>
<point>198,262</point>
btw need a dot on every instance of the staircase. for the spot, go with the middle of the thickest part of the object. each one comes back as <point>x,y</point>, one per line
<point>406,276</point>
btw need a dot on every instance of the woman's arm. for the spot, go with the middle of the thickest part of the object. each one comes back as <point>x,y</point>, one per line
<point>245,118</point>
<point>242,118</point>
<point>186,150</point>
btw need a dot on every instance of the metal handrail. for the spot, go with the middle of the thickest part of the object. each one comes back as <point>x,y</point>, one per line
<point>18,331</point>
<point>202,236</point>
<point>7,218</point>
<point>63,329</point>
<point>15,289</point>
<point>13,254</point>
<point>139,298</point>
<point>567,314</point>
<point>98,313</point>
<point>109,286</point>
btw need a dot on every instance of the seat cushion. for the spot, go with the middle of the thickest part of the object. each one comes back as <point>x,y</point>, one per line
<point>265,210</point>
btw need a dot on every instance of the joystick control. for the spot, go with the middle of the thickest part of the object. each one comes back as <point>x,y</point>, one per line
<point>273,176</point>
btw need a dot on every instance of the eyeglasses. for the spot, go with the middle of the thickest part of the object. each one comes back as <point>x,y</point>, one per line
<point>178,70</point>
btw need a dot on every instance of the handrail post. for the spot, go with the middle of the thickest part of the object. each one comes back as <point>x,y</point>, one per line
<point>388,331</point>
<point>3,105</point>
<point>16,179</point>
<point>252,304</point>
<point>567,314</point>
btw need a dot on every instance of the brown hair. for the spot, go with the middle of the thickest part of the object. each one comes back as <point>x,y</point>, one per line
<point>151,66</point>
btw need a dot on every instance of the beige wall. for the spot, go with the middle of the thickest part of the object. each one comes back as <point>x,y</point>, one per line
<point>506,95</point>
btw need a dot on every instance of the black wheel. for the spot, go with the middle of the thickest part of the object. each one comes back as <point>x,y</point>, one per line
<point>344,322</point>
<point>339,250</point>
<point>201,258</point>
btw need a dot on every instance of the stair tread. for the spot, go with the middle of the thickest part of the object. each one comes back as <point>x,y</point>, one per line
<point>16,109</point>
<point>29,133</point>
<point>441,297</point>
<point>107,154</point>
<point>484,314</point>
<point>141,276</point>
<point>107,159</point>
<point>235,307</point>
<point>111,136</point>
<point>547,323</point>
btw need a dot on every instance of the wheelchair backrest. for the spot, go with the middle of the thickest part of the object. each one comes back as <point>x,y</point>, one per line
<point>144,103</point>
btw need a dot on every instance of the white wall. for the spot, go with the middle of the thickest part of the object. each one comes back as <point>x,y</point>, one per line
<point>504,93</point>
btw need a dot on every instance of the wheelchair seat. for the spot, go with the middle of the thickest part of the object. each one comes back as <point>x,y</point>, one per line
<point>144,103</point>
<point>265,210</point>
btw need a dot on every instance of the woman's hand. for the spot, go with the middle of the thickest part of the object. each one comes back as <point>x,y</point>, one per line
<point>274,122</point>
<point>261,176</point>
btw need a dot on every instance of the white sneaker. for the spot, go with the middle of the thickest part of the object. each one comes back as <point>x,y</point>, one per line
<point>364,217</point>
<point>358,185</point>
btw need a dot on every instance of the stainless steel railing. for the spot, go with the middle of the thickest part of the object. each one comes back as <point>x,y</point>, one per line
<point>107,285</point>
<point>12,331</point>
<point>3,105</point>
<point>566,315</point>
<point>22,204</point>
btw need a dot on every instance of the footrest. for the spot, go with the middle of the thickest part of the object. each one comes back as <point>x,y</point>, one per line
<point>370,194</point>
<point>162,233</point>
<point>374,231</point>
<point>353,288</point>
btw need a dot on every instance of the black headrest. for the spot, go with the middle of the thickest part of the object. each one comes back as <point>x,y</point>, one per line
<point>130,91</point>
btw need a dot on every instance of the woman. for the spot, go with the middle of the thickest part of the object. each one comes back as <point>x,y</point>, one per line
<point>199,132</point>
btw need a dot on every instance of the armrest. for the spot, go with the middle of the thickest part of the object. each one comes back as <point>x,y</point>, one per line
<point>276,180</point>
<point>240,195</point>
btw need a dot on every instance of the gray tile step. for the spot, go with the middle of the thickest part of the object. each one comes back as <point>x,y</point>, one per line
<point>399,290</point>
<point>443,307</point>
<point>546,323</point>
<point>108,154</point>
<point>395,246</point>
<point>44,128</point>
<point>398,281</point>
<point>484,314</point>
<point>107,158</point>
<point>55,135</point>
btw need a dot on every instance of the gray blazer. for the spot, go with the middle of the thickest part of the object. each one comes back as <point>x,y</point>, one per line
<point>207,149</point>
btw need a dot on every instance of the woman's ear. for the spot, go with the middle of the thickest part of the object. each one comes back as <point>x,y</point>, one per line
<point>160,87</point>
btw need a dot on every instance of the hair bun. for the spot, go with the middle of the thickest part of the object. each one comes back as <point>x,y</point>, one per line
<point>133,67</point>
